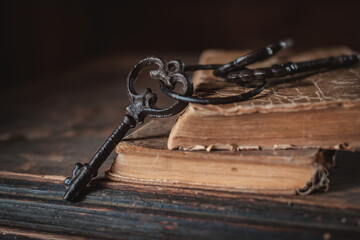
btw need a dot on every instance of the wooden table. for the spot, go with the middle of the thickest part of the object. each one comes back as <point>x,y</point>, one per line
<point>47,125</point>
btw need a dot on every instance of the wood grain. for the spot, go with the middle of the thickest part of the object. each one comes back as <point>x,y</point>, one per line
<point>132,214</point>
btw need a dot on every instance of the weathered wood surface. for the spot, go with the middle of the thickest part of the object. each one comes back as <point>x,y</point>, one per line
<point>46,127</point>
<point>106,213</point>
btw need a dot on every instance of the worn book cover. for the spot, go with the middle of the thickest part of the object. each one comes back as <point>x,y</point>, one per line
<point>144,158</point>
<point>308,110</point>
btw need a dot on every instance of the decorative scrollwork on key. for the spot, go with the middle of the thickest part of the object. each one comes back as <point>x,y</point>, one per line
<point>169,74</point>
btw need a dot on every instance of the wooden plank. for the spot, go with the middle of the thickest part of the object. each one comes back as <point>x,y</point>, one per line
<point>16,233</point>
<point>132,214</point>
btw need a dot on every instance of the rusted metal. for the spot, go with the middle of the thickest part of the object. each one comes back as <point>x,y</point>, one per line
<point>173,72</point>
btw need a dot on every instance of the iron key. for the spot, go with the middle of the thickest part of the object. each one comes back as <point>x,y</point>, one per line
<point>141,106</point>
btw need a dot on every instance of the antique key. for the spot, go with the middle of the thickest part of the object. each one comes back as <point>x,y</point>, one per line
<point>141,106</point>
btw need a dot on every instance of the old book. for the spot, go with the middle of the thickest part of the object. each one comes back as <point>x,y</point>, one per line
<point>318,109</point>
<point>143,157</point>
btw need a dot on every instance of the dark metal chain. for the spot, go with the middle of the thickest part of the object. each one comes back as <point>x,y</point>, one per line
<point>173,72</point>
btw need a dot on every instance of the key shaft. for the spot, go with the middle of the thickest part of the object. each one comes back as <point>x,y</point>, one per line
<point>84,173</point>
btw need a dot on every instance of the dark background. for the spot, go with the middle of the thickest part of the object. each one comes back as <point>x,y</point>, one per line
<point>44,38</point>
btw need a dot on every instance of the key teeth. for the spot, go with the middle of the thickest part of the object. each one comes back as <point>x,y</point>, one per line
<point>75,184</point>
<point>69,180</point>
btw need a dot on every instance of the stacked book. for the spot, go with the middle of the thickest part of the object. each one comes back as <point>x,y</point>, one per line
<point>279,142</point>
